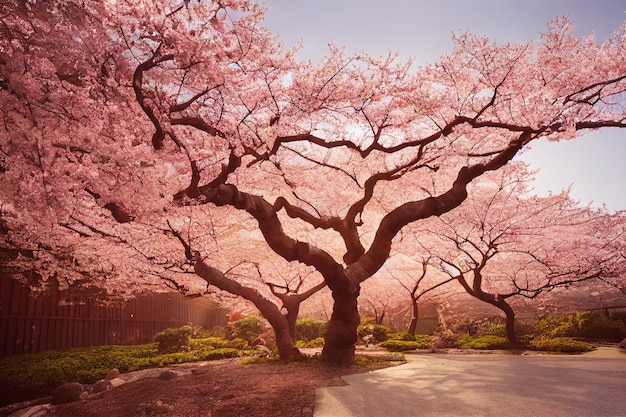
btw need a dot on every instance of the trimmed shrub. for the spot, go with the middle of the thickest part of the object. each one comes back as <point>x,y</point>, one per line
<point>395,345</point>
<point>237,343</point>
<point>402,336</point>
<point>483,342</point>
<point>424,341</point>
<point>35,375</point>
<point>215,342</point>
<point>445,339</point>
<point>220,353</point>
<point>585,325</point>
<point>373,333</point>
<point>247,328</point>
<point>561,344</point>
<point>315,343</point>
<point>399,345</point>
<point>557,325</point>
<point>599,328</point>
<point>309,329</point>
<point>173,339</point>
<point>492,329</point>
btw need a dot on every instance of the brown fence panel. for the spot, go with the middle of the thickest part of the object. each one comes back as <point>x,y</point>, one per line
<point>31,324</point>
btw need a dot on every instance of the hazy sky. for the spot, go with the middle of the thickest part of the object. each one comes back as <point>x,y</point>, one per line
<point>595,164</point>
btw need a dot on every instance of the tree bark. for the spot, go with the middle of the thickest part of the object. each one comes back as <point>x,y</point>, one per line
<point>498,301</point>
<point>413,324</point>
<point>291,303</point>
<point>495,300</point>
<point>341,334</point>
<point>510,319</point>
<point>287,351</point>
<point>285,343</point>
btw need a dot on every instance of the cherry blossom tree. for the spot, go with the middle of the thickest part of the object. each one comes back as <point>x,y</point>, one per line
<point>418,284</point>
<point>502,243</point>
<point>120,116</point>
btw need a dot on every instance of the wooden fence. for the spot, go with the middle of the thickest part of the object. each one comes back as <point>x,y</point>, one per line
<point>32,324</point>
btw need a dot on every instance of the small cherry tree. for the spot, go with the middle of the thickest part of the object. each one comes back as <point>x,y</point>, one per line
<point>502,243</point>
<point>420,283</point>
<point>120,116</point>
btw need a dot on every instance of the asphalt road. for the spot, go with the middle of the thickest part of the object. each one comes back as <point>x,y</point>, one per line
<point>592,384</point>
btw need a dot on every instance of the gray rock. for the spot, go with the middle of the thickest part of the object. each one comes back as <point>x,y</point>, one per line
<point>100,386</point>
<point>67,393</point>
<point>34,411</point>
<point>198,371</point>
<point>167,375</point>
<point>112,374</point>
<point>116,382</point>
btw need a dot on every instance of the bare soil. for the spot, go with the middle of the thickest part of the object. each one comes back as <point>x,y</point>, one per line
<point>224,388</point>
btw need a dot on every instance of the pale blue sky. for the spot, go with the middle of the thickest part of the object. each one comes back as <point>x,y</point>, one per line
<point>594,164</point>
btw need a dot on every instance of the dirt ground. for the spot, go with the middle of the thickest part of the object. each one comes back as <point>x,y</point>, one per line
<point>224,388</point>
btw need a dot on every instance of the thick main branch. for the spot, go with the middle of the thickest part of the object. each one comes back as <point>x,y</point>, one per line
<point>271,228</point>
<point>412,211</point>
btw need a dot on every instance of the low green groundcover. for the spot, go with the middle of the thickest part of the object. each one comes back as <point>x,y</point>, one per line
<point>399,345</point>
<point>483,342</point>
<point>561,344</point>
<point>35,375</point>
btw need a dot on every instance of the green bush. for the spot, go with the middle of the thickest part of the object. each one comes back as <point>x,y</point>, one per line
<point>402,336</point>
<point>396,345</point>
<point>173,339</point>
<point>483,342</point>
<point>36,375</point>
<point>599,328</point>
<point>424,341</point>
<point>584,325</point>
<point>29,376</point>
<point>215,342</point>
<point>557,325</point>
<point>561,344</point>
<point>492,329</point>
<point>247,328</point>
<point>237,343</point>
<point>445,339</point>
<point>309,329</point>
<point>315,343</point>
<point>373,333</point>
<point>219,353</point>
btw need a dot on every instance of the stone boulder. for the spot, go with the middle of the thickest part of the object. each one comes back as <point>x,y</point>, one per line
<point>100,386</point>
<point>39,410</point>
<point>167,375</point>
<point>116,382</point>
<point>112,374</point>
<point>67,393</point>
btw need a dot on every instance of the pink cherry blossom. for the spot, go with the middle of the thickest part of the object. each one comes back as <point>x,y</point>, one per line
<point>133,128</point>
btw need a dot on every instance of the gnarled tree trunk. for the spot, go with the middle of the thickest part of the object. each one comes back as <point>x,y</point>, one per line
<point>495,300</point>
<point>341,334</point>
<point>415,309</point>
<point>284,341</point>
<point>498,301</point>
<point>291,302</point>
<point>510,320</point>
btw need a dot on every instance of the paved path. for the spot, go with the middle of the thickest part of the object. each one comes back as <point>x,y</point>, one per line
<point>593,384</point>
